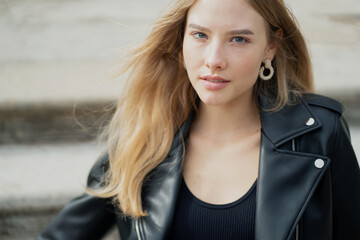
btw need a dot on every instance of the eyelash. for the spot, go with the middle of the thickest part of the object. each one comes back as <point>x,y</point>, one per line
<point>195,35</point>
<point>244,40</point>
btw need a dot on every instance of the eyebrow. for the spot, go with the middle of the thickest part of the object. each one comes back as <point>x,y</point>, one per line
<point>233,32</point>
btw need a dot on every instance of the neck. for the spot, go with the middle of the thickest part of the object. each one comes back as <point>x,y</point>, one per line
<point>227,122</point>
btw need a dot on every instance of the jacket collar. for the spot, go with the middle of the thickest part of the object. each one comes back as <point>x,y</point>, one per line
<point>279,126</point>
<point>288,123</point>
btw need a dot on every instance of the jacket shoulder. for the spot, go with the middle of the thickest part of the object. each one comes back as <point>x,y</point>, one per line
<point>324,102</point>
<point>98,171</point>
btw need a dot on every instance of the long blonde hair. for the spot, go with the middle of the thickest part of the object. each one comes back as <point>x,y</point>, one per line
<point>159,97</point>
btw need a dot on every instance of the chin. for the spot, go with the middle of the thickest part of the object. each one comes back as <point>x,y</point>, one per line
<point>212,101</point>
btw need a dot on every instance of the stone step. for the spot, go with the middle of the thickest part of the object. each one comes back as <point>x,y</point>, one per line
<point>37,180</point>
<point>82,122</point>
<point>32,123</point>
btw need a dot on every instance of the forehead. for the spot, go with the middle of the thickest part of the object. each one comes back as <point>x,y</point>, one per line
<point>225,14</point>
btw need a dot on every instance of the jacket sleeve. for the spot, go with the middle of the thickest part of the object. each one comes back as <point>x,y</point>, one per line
<point>345,185</point>
<point>85,217</point>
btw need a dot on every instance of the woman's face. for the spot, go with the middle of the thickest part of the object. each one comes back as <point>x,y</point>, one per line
<point>224,44</point>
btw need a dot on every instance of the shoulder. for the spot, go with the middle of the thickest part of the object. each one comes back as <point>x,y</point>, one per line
<point>327,111</point>
<point>329,114</point>
<point>316,101</point>
<point>312,113</point>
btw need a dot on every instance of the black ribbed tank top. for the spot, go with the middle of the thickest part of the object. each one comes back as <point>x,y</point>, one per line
<point>195,219</point>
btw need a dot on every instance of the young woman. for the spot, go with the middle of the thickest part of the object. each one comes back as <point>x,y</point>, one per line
<point>219,137</point>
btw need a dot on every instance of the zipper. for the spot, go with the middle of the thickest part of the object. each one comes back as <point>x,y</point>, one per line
<point>297,232</point>
<point>293,148</point>
<point>137,227</point>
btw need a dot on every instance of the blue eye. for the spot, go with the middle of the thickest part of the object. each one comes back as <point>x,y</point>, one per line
<point>239,40</point>
<point>199,35</point>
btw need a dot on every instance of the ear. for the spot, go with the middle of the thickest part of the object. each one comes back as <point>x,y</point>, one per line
<point>271,48</point>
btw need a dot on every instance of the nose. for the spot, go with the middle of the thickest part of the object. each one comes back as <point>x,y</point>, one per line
<point>215,57</point>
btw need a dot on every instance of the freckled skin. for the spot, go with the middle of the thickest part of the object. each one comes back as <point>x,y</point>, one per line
<point>215,52</point>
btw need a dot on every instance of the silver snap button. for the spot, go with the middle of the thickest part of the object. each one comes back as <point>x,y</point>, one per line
<point>310,122</point>
<point>319,163</point>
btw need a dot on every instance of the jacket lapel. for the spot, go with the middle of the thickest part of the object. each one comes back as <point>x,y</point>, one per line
<point>287,179</point>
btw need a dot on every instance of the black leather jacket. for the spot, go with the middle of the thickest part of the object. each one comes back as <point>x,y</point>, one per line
<point>308,184</point>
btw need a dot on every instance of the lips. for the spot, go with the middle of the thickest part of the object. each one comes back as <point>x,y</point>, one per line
<point>215,79</point>
<point>214,82</point>
<point>210,80</point>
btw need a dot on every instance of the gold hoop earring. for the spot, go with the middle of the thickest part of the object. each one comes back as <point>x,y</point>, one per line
<point>267,66</point>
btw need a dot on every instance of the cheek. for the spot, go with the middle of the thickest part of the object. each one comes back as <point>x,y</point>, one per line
<point>187,61</point>
<point>187,51</point>
<point>249,64</point>
<point>190,57</point>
